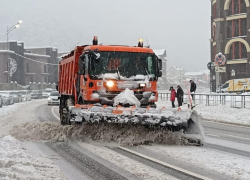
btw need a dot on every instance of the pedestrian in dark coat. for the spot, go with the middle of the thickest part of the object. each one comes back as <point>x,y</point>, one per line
<point>179,95</point>
<point>192,88</point>
<point>172,96</point>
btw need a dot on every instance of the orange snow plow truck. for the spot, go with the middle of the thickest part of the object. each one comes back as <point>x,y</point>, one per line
<point>117,84</point>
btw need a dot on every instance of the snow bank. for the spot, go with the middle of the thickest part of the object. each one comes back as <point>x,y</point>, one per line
<point>141,171</point>
<point>8,110</point>
<point>212,160</point>
<point>124,134</point>
<point>16,163</point>
<point>126,97</point>
<point>222,113</point>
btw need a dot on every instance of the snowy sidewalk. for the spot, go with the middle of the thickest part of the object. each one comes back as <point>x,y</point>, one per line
<point>16,163</point>
<point>220,113</point>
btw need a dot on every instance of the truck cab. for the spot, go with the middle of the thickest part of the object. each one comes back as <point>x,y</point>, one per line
<point>104,71</point>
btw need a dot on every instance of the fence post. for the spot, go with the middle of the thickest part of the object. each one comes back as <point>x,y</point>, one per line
<point>244,101</point>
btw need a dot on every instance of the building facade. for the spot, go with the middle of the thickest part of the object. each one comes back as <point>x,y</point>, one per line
<point>25,65</point>
<point>230,34</point>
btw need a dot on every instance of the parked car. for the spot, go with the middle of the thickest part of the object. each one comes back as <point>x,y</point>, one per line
<point>36,94</point>
<point>8,99</point>
<point>53,98</point>
<point>26,95</point>
<point>17,96</point>
<point>1,101</point>
<point>47,92</point>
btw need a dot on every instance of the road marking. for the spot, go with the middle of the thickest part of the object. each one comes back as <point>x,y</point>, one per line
<point>165,164</point>
<point>220,134</point>
<point>210,121</point>
<point>52,111</point>
<point>212,135</point>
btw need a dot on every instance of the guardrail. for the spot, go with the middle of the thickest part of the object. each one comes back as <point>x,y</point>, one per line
<point>235,100</point>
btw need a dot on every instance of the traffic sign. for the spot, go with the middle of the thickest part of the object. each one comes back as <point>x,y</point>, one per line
<point>220,69</point>
<point>210,66</point>
<point>220,59</point>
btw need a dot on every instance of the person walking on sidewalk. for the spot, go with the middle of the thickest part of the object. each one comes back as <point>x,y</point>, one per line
<point>192,88</point>
<point>172,96</point>
<point>179,95</point>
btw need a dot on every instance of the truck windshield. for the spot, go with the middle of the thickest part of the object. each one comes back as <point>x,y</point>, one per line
<point>123,65</point>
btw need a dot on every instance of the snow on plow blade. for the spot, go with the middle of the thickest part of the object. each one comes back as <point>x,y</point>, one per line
<point>188,121</point>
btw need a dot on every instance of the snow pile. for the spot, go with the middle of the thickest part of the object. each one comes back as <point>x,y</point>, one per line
<point>142,171</point>
<point>220,113</point>
<point>6,111</point>
<point>124,134</point>
<point>226,164</point>
<point>126,97</point>
<point>223,113</point>
<point>16,163</point>
<point>95,96</point>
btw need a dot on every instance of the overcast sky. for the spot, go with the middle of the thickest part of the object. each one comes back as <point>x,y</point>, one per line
<point>181,27</point>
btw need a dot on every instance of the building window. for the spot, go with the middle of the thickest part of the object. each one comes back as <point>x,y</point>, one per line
<point>237,51</point>
<point>237,7</point>
<point>45,68</point>
<point>237,27</point>
<point>214,11</point>
<point>214,32</point>
<point>27,68</point>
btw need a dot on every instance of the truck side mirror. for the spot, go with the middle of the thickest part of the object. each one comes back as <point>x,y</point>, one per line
<point>159,64</point>
<point>159,73</point>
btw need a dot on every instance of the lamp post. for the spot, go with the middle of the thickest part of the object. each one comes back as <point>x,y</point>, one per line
<point>233,74</point>
<point>8,48</point>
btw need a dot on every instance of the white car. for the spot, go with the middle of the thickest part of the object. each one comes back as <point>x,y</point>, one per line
<point>17,96</point>
<point>47,92</point>
<point>53,98</point>
<point>26,95</point>
<point>8,99</point>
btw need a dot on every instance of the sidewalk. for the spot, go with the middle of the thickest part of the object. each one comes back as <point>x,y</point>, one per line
<point>220,113</point>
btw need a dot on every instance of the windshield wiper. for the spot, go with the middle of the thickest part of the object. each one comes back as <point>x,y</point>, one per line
<point>145,70</point>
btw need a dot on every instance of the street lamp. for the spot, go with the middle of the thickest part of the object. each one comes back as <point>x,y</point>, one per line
<point>12,28</point>
<point>7,34</point>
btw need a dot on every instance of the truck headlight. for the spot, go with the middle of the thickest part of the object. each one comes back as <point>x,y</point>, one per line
<point>49,98</point>
<point>142,85</point>
<point>110,83</point>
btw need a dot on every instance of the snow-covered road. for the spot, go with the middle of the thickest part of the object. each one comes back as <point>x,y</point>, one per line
<point>225,154</point>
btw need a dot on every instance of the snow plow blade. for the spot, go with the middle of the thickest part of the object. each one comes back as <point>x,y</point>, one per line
<point>187,121</point>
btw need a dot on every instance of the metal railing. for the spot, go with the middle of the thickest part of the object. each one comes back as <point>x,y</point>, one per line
<point>235,100</point>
